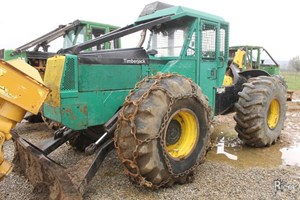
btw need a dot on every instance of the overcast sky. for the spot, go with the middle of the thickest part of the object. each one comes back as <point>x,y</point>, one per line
<point>272,24</point>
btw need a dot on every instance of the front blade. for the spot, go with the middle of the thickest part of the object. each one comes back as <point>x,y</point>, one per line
<point>44,173</point>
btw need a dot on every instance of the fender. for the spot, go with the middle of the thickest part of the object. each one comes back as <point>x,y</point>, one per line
<point>253,73</point>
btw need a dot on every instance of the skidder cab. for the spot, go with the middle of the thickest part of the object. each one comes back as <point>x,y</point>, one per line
<point>153,103</point>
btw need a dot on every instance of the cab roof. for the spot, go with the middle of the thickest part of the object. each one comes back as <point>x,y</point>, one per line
<point>158,9</point>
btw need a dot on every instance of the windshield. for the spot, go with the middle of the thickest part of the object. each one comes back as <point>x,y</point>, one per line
<point>74,37</point>
<point>167,41</point>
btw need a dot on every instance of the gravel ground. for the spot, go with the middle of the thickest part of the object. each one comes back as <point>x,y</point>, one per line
<point>213,180</point>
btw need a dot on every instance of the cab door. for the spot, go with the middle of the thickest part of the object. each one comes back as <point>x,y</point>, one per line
<point>211,60</point>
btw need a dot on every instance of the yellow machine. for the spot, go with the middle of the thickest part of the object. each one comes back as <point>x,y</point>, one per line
<point>21,90</point>
<point>237,64</point>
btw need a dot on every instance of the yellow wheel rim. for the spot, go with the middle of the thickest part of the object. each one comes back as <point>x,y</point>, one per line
<point>273,114</point>
<point>182,134</point>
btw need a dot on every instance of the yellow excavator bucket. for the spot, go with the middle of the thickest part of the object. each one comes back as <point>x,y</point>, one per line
<point>21,90</point>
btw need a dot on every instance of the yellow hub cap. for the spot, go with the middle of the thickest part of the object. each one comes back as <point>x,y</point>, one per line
<point>273,114</point>
<point>182,134</point>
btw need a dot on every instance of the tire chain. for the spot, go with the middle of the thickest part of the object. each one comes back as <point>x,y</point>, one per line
<point>132,116</point>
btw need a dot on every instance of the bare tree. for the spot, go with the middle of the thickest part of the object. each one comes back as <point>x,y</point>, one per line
<point>294,63</point>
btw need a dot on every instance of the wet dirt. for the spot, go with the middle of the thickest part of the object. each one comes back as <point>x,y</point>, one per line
<point>229,149</point>
<point>237,172</point>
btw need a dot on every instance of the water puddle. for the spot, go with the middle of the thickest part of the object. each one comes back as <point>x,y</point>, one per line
<point>291,154</point>
<point>221,150</point>
<point>229,149</point>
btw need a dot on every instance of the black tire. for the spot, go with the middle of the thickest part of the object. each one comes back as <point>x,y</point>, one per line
<point>256,125</point>
<point>141,136</point>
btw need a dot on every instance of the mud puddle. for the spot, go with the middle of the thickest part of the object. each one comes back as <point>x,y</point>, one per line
<point>229,149</point>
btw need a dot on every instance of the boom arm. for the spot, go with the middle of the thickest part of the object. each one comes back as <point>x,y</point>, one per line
<point>114,35</point>
<point>45,39</point>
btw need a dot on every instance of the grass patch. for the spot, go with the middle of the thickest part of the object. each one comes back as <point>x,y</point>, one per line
<point>292,79</point>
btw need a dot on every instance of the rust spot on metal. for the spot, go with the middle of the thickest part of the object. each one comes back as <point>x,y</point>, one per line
<point>70,113</point>
<point>84,110</point>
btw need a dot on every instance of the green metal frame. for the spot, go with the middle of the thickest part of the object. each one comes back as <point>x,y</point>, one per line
<point>254,52</point>
<point>102,88</point>
<point>89,26</point>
